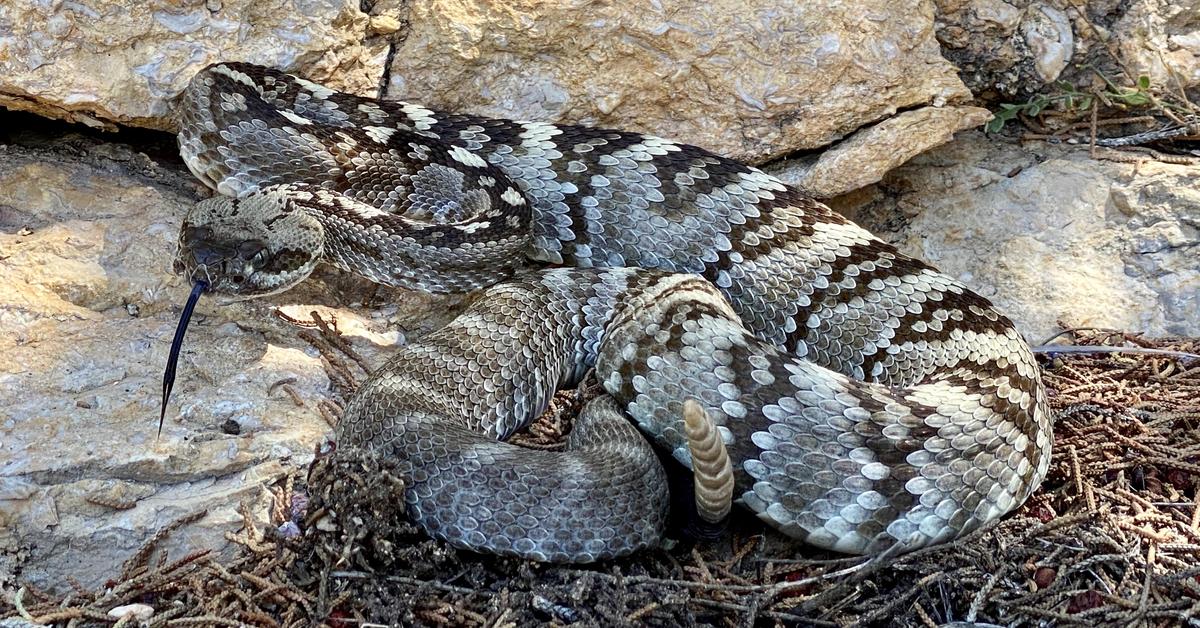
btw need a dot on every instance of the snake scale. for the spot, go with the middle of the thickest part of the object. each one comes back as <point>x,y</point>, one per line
<point>868,403</point>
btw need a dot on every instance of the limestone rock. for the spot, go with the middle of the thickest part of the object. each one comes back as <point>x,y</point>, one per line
<point>751,80</point>
<point>1050,234</point>
<point>119,61</point>
<point>1049,36</point>
<point>1161,39</point>
<point>88,306</point>
<point>1008,50</point>
<point>865,157</point>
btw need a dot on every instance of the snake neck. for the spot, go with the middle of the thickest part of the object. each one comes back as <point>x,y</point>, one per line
<point>403,250</point>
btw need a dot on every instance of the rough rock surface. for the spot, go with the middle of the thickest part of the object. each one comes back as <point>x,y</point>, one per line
<point>981,37</point>
<point>88,307</point>
<point>752,80</point>
<point>1009,49</point>
<point>116,61</point>
<point>1161,39</point>
<point>1050,234</point>
<point>865,157</point>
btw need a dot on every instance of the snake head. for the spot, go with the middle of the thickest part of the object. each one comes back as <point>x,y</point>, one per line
<point>257,245</point>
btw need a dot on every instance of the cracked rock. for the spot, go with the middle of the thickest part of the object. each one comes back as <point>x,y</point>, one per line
<point>751,80</point>
<point>107,62</point>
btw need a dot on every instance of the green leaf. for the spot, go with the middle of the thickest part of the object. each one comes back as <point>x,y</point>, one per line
<point>1007,112</point>
<point>1143,82</point>
<point>1036,105</point>
<point>1079,101</point>
<point>1135,99</point>
<point>1069,90</point>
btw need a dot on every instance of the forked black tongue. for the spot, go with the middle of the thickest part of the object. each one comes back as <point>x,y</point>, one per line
<point>176,345</point>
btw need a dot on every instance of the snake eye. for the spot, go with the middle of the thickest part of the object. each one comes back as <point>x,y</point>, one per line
<point>253,252</point>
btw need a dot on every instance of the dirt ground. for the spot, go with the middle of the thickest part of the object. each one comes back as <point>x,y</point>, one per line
<point>1111,538</point>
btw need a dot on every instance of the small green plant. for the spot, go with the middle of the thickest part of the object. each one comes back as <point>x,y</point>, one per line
<point>1009,111</point>
<point>1071,99</point>
<point>1130,97</point>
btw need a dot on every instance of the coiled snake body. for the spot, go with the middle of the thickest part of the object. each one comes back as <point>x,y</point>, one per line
<point>867,401</point>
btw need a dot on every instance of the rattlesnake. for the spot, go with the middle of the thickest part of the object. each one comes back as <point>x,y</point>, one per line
<point>867,401</point>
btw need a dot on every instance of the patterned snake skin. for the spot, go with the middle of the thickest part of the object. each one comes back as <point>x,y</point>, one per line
<point>867,401</point>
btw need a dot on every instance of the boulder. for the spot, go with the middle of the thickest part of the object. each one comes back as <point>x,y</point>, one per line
<point>870,153</point>
<point>752,80</point>
<point>1009,50</point>
<point>1161,39</point>
<point>88,306</point>
<point>1049,233</point>
<point>107,62</point>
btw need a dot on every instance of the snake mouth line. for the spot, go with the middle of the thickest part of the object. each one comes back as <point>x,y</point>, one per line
<point>200,269</point>
<point>185,317</point>
<point>220,287</point>
<point>219,280</point>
